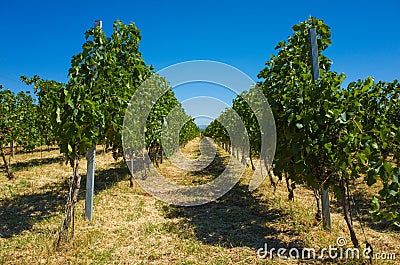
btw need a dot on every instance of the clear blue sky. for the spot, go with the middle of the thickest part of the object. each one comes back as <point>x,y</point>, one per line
<point>40,37</point>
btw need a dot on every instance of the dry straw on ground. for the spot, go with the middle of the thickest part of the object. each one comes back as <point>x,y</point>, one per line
<point>130,227</point>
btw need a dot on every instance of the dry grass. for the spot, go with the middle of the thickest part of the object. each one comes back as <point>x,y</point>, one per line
<point>131,227</point>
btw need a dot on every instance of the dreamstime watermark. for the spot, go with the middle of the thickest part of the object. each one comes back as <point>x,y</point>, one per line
<point>142,106</point>
<point>331,252</point>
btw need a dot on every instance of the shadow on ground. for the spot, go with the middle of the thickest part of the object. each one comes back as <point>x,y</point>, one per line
<point>237,219</point>
<point>18,166</point>
<point>22,150</point>
<point>21,212</point>
<point>360,212</point>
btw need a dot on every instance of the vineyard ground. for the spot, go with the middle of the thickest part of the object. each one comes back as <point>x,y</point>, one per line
<point>131,227</point>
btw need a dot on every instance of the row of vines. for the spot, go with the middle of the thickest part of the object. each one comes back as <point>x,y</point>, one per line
<point>327,135</point>
<point>18,125</point>
<point>89,110</point>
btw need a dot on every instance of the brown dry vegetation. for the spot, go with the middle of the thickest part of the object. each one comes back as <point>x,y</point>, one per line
<point>130,227</point>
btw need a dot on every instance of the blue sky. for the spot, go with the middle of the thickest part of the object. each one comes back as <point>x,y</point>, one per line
<point>40,37</point>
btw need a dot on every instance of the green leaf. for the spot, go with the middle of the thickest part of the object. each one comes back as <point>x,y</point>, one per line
<point>388,167</point>
<point>343,118</point>
<point>375,204</point>
<point>328,147</point>
<point>374,145</point>
<point>58,118</point>
<point>299,125</point>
